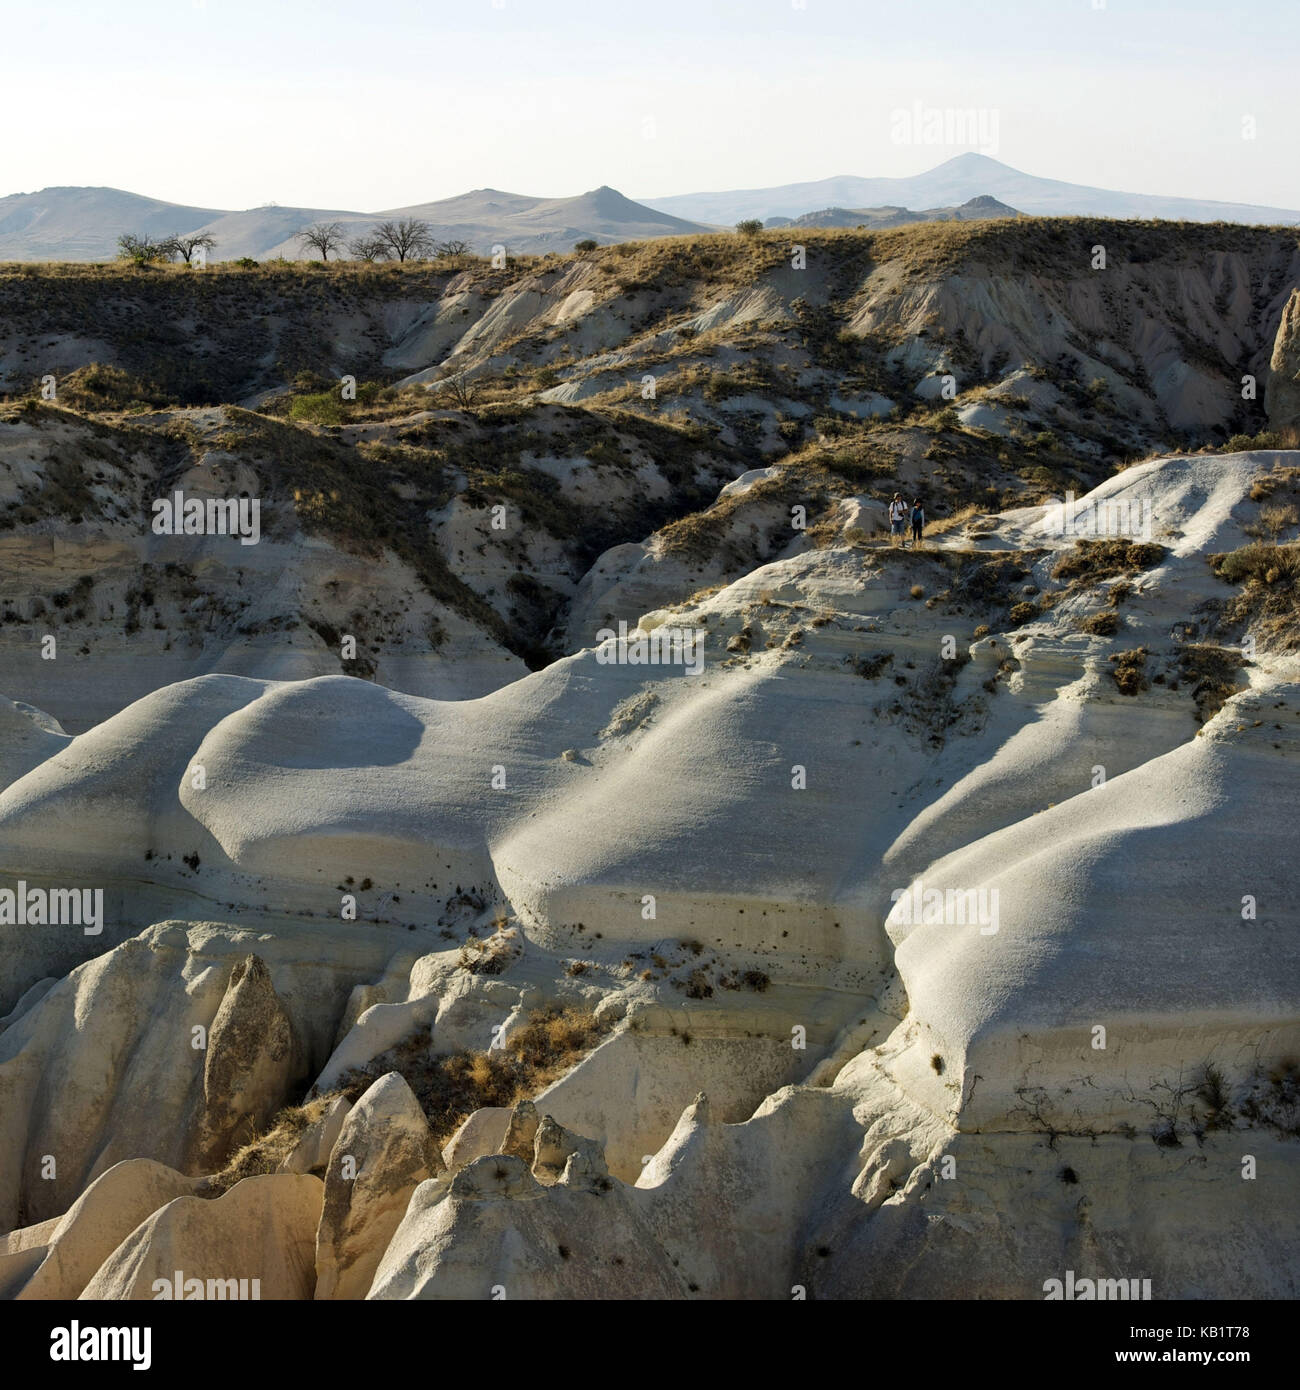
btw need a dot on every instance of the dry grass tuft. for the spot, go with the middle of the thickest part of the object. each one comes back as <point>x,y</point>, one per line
<point>1215,673</point>
<point>265,1152</point>
<point>491,955</point>
<point>1092,561</point>
<point>1103,624</point>
<point>452,1086</point>
<point>1268,603</point>
<point>1130,671</point>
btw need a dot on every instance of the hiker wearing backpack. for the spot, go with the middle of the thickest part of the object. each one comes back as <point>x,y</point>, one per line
<point>918,520</point>
<point>897,516</point>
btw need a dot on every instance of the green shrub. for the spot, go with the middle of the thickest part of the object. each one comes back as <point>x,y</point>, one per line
<point>322,408</point>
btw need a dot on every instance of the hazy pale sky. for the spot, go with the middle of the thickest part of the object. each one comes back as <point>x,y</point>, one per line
<point>230,104</point>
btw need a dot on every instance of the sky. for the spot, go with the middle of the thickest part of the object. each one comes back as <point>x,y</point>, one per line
<point>230,104</point>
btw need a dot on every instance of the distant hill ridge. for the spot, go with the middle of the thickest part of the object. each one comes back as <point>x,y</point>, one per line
<point>973,210</point>
<point>953,182</point>
<point>83,224</point>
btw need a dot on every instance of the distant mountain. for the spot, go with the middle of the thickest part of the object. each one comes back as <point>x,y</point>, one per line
<point>83,224</point>
<point>952,183</point>
<point>974,210</point>
<point>488,217</point>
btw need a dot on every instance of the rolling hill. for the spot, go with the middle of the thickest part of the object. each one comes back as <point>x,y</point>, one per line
<point>83,224</point>
<point>488,217</point>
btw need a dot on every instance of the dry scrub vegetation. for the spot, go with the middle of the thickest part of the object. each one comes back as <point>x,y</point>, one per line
<point>266,1151</point>
<point>452,1086</point>
<point>1215,676</point>
<point>1091,562</point>
<point>1130,671</point>
<point>1268,601</point>
<point>1267,572</point>
<point>449,1087</point>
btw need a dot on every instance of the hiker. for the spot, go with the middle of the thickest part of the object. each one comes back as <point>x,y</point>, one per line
<point>897,513</point>
<point>918,520</point>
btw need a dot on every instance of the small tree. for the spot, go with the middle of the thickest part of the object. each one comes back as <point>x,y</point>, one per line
<point>323,237</point>
<point>408,239</point>
<point>749,226</point>
<point>142,250</point>
<point>445,249</point>
<point>462,391</point>
<point>367,248</point>
<point>586,244</point>
<point>186,246</point>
